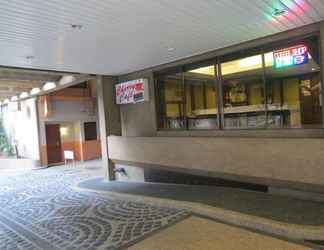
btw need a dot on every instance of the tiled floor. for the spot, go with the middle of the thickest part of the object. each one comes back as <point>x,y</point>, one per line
<point>263,205</point>
<point>40,210</point>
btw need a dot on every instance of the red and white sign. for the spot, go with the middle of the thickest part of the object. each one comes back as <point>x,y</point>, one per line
<point>292,56</point>
<point>132,92</point>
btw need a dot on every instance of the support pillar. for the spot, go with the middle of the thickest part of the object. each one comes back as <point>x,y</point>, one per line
<point>322,67</point>
<point>109,119</point>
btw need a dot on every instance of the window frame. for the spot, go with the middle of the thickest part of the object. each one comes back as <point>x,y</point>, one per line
<point>218,83</point>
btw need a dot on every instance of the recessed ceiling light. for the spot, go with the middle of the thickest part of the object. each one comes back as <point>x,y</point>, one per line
<point>279,12</point>
<point>171,49</point>
<point>30,57</point>
<point>76,26</point>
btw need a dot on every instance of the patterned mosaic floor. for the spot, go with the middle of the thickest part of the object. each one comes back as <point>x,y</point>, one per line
<point>40,210</point>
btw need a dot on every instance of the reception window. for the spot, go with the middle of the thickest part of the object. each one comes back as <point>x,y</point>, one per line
<point>171,101</point>
<point>278,86</point>
<point>201,98</point>
<point>294,86</point>
<point>243,93</point>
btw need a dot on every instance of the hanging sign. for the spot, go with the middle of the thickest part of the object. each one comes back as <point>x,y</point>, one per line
<point>292,56</point>
<point>132,92</point>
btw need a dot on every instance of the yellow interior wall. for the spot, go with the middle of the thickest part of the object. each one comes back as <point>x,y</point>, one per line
<point>291,91</point>
<point>255,95</point>
<point>172,110</point>
<point>276,93</point>
<point>173,93</point>
<point>211,97</point>
<point>199,97</point>
<point>188,102</point>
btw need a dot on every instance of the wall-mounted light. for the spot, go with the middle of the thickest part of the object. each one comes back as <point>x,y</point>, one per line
<point>49,86</point>
<point>35,91</point>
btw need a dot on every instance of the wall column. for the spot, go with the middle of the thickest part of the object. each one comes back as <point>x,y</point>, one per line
<point>322,67</point>
<point>109,119</point>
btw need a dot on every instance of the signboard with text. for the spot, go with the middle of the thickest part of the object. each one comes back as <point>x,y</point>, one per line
<point>132,91</point>
<point>292,56</point>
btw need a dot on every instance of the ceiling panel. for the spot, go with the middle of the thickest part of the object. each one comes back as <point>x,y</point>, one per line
<point>123,36</point>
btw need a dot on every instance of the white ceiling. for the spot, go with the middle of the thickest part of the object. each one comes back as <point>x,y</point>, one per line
<point>121,36</point>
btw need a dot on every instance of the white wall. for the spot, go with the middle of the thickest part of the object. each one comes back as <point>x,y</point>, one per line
<point>21,125</point>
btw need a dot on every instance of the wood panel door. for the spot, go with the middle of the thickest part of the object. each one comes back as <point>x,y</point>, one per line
<point>54,145</point>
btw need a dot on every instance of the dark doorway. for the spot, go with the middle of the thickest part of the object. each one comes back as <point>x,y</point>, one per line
<point>54,147</point>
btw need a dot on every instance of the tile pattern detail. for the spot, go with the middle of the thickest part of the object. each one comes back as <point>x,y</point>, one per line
<point>40,210</point>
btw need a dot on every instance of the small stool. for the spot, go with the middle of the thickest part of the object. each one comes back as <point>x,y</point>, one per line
<point>68,155</point>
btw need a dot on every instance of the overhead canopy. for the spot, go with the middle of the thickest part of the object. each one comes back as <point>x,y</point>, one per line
<point>18,82</point>
<point>116,37</point>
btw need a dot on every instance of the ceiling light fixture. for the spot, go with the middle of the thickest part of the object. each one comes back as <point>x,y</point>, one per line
<point>6,101</point>
<point>66,79</point>
<point>171,49</point>
<point>49,86</point>
<point>279,12</point>
<point>30,57</point>
<point>35,91</point>
<point>14,98</point>
<point>23,95</point>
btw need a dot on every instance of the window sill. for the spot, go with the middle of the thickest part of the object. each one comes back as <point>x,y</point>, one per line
<point>262,133</point>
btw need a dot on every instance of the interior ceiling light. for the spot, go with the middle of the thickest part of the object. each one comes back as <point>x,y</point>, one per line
<point>24,95</point>
<point>30,57</point>
<point>67,79</point>
<point>35,91</point>
<point>49,85</point>
<point>279,12</point>
<point>171,49</point>
<point>14,98</point>
<point>6,101</point>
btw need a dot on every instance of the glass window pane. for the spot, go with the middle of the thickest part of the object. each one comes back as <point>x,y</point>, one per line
<point>201,98</point>
<point>171,101</point>
<point>243,93</point>
<point>294,87</point>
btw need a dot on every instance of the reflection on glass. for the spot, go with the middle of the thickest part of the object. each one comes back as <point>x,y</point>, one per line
<point>201,98</point>
<point>171,101</point>
<point>243,93</point>
<point>294,93</point>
